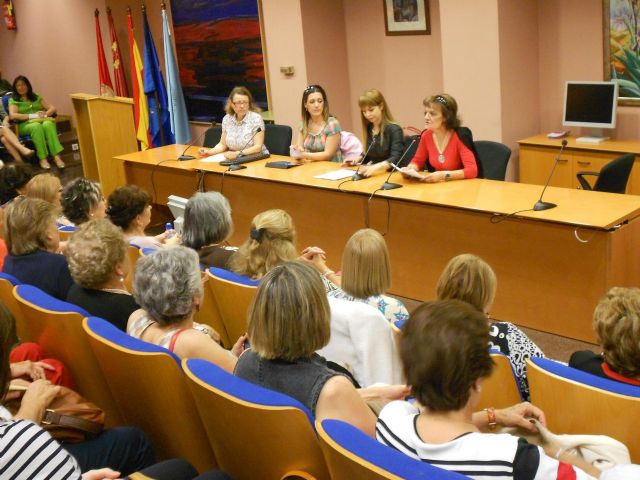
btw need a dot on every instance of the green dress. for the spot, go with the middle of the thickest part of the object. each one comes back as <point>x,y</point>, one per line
<point>42,132</point>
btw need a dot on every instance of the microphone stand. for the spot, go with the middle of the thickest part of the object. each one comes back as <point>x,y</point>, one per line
<point>358,176</point>
<point>235,165</point>
<point>540,205</point>
<point>183,157</point>
<point>390,186</point>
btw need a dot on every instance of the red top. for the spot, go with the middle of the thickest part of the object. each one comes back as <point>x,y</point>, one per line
<point>456,155</point>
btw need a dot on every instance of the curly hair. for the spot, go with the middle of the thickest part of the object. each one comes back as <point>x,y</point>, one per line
<point>12,178</point>
<point>79,197</point>
<point>125,204</point>
<point>94,251</point>
<point>270,243</point>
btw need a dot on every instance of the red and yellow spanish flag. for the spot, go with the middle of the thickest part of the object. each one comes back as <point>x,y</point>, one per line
<point>140,109</point>
<point>118,68</point>
<point>106,87</point>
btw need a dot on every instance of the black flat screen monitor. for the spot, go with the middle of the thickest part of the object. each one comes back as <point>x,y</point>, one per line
<point>590,104</point>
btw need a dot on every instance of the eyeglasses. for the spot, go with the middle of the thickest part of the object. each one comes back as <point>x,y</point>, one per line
<point>241,103</point>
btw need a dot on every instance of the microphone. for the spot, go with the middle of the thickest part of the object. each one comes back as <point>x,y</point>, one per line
<point>358,176</point>
<point>193,142</point>
<point>390,186</point>
<point>540,205</point>
<point>235,165</point>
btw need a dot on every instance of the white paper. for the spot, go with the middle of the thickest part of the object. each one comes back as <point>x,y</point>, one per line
<point>217,158</point>
<point>336,174</point>
<point>408,172</point>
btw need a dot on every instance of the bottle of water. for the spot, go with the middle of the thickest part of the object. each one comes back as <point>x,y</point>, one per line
<point>170,232</point>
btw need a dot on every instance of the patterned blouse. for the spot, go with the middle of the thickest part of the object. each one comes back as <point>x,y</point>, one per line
<point>315,142</point>
<point>239,133</point>
<point>392,308</point>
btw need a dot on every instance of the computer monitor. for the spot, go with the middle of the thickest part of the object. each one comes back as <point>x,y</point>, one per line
<point>591,105</point>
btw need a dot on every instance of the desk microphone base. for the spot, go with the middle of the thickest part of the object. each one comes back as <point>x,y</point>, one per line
<point>543,206</point>
<point>390,186</point>
<point>186,157</point>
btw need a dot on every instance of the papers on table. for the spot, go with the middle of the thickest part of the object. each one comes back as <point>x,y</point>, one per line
<point>408,172</point>
<point>336,174</point>
<point>217,158</point>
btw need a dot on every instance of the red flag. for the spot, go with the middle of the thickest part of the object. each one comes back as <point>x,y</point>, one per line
<point>118,70</point>
<point>106,87</point>
<point>140,109</point>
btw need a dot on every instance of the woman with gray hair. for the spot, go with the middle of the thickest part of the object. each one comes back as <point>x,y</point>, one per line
<point>168,286</point>
<point>207,224</point>
<point>82,200</point>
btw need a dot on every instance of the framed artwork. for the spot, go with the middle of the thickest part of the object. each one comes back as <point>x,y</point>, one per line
<point>621,27</point>
<point>218,46</point>
<point>406,17</point>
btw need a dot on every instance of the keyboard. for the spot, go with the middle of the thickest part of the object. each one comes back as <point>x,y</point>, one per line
<point>254,157</point>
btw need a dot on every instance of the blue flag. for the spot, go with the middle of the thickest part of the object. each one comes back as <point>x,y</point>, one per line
<point>154,89</point>
<point>177,108</point>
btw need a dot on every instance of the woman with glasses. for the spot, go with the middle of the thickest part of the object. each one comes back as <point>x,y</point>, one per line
<point>445,146</point>
<point>239,127</point>
<point>319,137</point>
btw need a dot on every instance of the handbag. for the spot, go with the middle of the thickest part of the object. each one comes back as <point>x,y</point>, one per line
<point>71,418</point>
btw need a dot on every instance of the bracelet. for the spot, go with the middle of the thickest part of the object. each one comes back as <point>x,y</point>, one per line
<point>328,272</point>
<point>491,417</point>
<point>33,116</point>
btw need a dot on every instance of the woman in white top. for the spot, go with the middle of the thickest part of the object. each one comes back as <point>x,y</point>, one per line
<point>239,127</point>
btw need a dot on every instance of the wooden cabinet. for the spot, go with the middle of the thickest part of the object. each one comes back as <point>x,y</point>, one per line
<point>538,153</point>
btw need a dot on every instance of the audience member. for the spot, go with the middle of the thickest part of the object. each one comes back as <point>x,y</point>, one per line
<point>168,286</point>
<point>445,147</point>
<point>239,127</point>
<point>207,225</point>
<point>13,181</point>
<point>469,278</point>
<point>129,208</point>
<point>288,323</point>
<point>444,353</point>
<point>32,239</point>
<point>616,321</point>
<point>36,117</point>
<point>383,136</point>
<point>47,187</point>
<point>82,200</point>
<point>98,261</point>
<point>319,137</point>
<point>9,139</point>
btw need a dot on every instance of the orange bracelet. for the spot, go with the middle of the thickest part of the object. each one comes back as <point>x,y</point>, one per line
<point>491,417</point>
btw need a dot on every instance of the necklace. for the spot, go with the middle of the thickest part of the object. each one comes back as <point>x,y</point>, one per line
<point>115,290</point>
<point>442,146</point>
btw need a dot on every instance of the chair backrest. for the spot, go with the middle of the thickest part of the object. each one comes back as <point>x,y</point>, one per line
<point>57,327</point>
<point>254,432</point>
<point>233,294</point>
<point>352,454</point>
<point>134,254</point>
<point>144,251</point>
<point>66,231</point>
<point>614,175</point>
<point>277,138</point>
<point>494,158</point>
<point>500,390</point>
<point>7,282</point>
<point>5,101</point>
<point>152,393</point>
<point>412,149</point>
<point>209,314</point>
<point>212,136</point>
<point>577,402</point>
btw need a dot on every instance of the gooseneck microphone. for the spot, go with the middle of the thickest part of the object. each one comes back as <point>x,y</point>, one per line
<point>540,205</point>
<point>390,186</point>
<point>358,176</point>
<point>193,142</point>
<point>235,165</point>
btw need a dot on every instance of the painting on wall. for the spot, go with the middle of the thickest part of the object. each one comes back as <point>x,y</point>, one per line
<point>622,47</point>
<point>406,17</point>
<point>219,46</point>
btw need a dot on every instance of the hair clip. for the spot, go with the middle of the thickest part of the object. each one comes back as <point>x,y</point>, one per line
<point>310,87</point>
<point>256,234</point>
<point>441,99</point>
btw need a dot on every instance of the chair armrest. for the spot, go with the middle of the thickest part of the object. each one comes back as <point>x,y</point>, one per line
<point>583,183</point>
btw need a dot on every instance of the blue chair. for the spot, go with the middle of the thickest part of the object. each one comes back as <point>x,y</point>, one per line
<point>577,402</point>
<point>352,454</point>
<point>57,327</point>
<point>135,372</point>
<point>147,251</point>
<point>254,432</point>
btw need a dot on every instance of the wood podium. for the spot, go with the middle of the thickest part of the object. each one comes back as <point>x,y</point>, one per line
<point>105,130</point>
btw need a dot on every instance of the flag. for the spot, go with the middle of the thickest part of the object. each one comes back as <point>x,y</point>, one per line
<point>106,87</point>
<point>118,70</point>
<point>140,110</point>
<point>155,90</point>
<point>177,109</point>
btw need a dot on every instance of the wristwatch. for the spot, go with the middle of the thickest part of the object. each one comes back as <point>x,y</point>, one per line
<point>447,176</point>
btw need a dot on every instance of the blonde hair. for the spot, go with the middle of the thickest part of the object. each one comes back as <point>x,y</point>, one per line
<point>373,98</point>
<point>468,278</point>
<point>27,222</point>
<point>616,321</point>
<point>270,243</point>
<point>94,251</point>
<point>289,316</point>
<point>44,186</point>
<point>366,270</point>
<point>228,108</point>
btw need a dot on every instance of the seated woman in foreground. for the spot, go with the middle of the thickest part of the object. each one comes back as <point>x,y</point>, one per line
<point>169,287</point>
<point>616,321</point>
<point>444,352</point>
<point>98,261</point>
<point>445,146</point>
<point>288,322</point>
